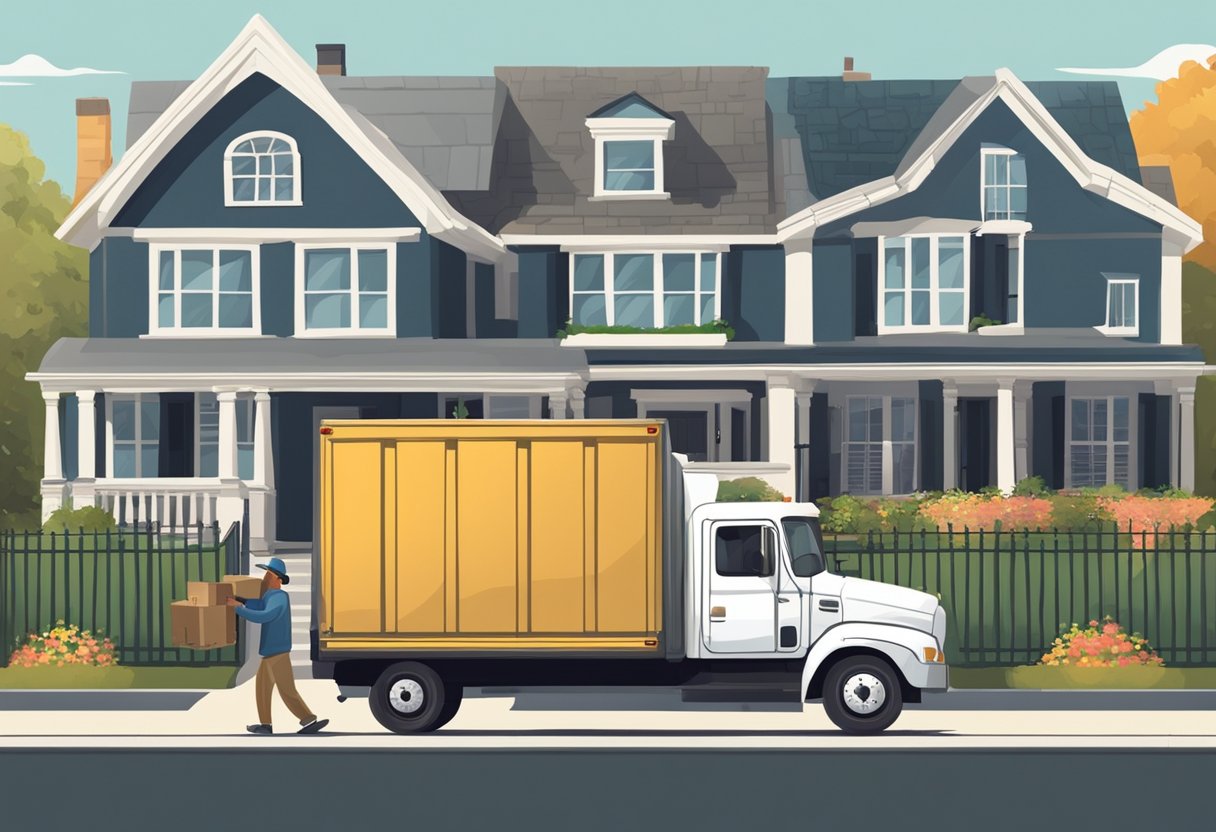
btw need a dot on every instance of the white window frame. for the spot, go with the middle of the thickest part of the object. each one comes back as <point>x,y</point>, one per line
<point>139,441</point>
<point>215,330</point>
<point>986,152</point>
<point>609,291</point>
<point>1132,442</point>
<point>229,185</point>
<point>354,330</point>
<point>656,130</point>
<point>1120,280</point>
<point>888,456</point>
<point>934,290</point>
<point>245,407</point>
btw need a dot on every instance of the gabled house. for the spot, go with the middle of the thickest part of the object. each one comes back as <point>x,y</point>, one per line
<point>281,243</point>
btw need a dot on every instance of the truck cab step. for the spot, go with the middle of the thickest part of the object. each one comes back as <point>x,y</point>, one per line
<point>739,693</point>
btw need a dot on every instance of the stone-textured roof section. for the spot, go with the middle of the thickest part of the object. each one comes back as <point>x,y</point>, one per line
<point>853,132</point>
<point>1159,180</point>
<point>148,100</point>
<point>717,165</point>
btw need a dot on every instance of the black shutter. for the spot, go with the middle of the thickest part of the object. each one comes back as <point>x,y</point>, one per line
<point>865,288</point>
<point>1047,432</point>
<point>1058,440</point>
<point>931,438</point>
<point>819,465</point>
<point>1000,281</point>
<point>977,275</point>
<point>176,448</point>
<point>99,444</point>
<point>1154,440</point>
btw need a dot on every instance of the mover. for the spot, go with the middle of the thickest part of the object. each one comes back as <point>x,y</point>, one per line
<point>467,553</point>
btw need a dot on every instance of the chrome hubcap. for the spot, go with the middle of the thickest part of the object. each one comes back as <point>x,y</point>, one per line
<point>406,697</point>
<point>864,693</point>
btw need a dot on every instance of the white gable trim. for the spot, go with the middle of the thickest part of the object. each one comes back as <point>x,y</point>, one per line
<point>1090,175</point>
<point>259,48</point>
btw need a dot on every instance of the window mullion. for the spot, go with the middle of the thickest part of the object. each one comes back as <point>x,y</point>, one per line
<point>354,290</point>
<point>656,283</point>
<point>610,288</point>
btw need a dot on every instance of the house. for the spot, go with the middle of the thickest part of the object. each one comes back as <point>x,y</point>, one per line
<point>281,243</point>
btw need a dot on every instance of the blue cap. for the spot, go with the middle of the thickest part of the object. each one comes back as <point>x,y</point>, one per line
<point>276,566</point>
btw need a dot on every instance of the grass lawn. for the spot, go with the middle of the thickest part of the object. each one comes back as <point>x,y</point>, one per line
<point>1071,678</point>
<point>115,678</point>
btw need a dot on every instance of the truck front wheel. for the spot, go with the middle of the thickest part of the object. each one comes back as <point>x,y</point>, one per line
<point>861,695</point>
<point>410,698</point>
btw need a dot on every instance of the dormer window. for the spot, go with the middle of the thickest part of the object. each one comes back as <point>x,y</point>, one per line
<point>629,135</point>
<point>1003,188</point>
<point>262,169</point>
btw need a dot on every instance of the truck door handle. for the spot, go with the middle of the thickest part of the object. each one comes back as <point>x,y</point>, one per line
<point>717,613</point>
<point>781,600</point>
<point>829,605</point>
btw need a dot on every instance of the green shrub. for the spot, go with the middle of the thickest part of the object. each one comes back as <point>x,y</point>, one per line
<point>87,518</point>
<point>981,321</point>
<point>712,328</point>
<point>1077,512</point>
<point>748,490</point>
<point>1031,487</point>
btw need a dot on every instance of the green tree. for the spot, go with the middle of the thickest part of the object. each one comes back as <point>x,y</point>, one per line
<point>44,296</point>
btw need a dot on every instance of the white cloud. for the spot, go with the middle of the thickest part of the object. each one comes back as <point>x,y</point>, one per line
<point>36,66</point>
<point>1161,66</point>
<point>14,84</point>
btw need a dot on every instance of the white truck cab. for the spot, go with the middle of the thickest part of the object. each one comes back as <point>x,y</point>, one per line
<point>757,587</point>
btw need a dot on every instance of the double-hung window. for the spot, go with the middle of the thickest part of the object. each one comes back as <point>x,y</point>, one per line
<point>924,283</point>
<point>346,290</point>
<point>1099,449</point>
<point>134,427</point>
<point>629,165</point>
<point>629,134</point>
<point>645,290</point>
<point>1122,305</point>
<point>872,425</point>
<point>1003,187</point>
<point>262,168</point>
<point>208,450</point>
<point>205,290</point>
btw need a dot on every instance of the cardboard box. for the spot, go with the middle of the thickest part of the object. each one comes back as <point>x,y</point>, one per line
<point>208,594</point>
<point>246,586</point>
<point>201,627</point>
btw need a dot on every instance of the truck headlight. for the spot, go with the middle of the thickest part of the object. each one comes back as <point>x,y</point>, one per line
<point>932,655</point>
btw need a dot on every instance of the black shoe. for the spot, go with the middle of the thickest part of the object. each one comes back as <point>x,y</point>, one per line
<point>313,727</point>
<point>259,728</point>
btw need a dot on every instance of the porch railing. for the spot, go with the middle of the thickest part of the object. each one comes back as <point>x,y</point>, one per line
<point>175,502</point>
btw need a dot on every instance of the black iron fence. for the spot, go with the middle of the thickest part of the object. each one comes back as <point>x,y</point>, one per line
<point>118,582</point>
<point>1008,595</point>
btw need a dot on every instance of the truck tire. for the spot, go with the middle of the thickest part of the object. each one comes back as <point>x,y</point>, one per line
<point>453,696</point>
<point>409,698</point>
<point>861,695</point>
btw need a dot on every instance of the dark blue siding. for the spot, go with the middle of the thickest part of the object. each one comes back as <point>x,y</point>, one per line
<point>832,273</point>
<point>753,292</point>
<point>452,286</point>
<point>118,288</point>
<point>544,305</point>
<point>488,326</point>
<point>69,430</point>
<point>1065,284</point>
<point>417,300</point>
<point>931,435</point>
<point>278,289</point>
<point>338,189</point>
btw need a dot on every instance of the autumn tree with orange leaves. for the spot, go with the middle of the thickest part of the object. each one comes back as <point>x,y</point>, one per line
<point>1180,131</point>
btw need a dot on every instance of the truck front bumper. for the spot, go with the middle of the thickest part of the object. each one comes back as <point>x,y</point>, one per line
<point>934,678</point>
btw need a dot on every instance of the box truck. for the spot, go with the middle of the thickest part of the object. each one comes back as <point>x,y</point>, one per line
<point>468,553</point>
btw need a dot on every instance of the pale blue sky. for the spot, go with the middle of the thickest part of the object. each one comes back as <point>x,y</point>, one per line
<point>154,39</point>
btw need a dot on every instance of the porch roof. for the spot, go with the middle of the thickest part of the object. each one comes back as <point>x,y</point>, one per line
<point>222,357</point>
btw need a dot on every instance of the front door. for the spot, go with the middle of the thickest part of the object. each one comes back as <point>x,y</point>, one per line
<point>975,445</point>
<point>740,613</point>
<point>689,431</point>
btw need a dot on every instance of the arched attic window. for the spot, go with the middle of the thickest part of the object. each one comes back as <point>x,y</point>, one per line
<point>262,168</point>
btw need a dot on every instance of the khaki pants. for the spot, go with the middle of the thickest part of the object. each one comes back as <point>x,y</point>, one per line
<point>276,671</point>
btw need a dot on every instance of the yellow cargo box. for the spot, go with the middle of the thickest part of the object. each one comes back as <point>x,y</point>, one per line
<point>472,535</point>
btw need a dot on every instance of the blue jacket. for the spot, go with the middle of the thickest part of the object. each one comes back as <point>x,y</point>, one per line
<point>273,612</point>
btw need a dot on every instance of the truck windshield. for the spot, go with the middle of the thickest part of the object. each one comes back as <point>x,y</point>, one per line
<point>806,545</point>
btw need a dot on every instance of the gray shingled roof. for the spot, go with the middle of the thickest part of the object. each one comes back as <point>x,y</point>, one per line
<point>320,355</point>
<point>853,132</point>
<point>717,164</point>
<point>444,126</point>
<point>1159,180</point>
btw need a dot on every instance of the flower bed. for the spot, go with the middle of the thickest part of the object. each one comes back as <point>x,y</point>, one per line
<point>1104,644</point>
<point>64,645</point>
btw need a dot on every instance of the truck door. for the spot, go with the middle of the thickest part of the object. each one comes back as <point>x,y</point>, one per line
<point>740,613</point>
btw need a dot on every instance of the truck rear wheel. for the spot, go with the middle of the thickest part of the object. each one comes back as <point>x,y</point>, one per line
<point>861,695</point>
<point>410,698</point>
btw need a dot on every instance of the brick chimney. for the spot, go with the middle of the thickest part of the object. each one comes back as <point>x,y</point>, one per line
<point>331,58</point>
<point>850,75</point>
<point>92,143</point>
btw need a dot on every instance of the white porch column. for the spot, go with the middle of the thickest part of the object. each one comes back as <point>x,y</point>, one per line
<point>803,437</point>
<point>799,291</point>
<point>1171,291</point>
<point>1021,431</point>
<point>557,404</point>
<point>949,435</point>
<point>263,458</point>
<point>1005,476</point>
<point>86,435</point>
<point>1186,438</point>
<point>52,458</point>
<point>578,403</point>
<point>782,422</point>
<point>227,438</point>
